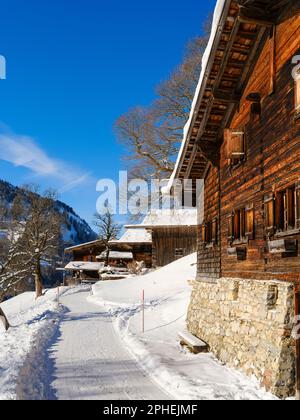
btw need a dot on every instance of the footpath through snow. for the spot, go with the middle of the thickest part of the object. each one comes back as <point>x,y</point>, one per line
<point>92,346</point>
<point>158,351</point>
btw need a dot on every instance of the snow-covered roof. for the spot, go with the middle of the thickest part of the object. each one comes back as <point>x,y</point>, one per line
<point>84,266</point>
<point>86,244</point>
<point>132,236</point>
<point>220,9</point>
<point>116,255</point>
<point>169,218</point>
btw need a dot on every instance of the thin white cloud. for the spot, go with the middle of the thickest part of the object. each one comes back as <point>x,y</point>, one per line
<point>22,151</point>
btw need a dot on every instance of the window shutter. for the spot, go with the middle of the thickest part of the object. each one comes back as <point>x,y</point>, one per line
<point>227,139</point>
<point>297,199</point>
<point>203,234</point>
<point>297,94</point>
<point>230,235</point>
<point>249,228</point>
<point>238,144</point>
<point>237,224</point>
<point>290,209</point>
<point>243,223</point>
<point>235,144</point>
<point>269,213</point>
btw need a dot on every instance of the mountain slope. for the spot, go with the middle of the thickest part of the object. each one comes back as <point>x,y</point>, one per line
<point>74,231</point>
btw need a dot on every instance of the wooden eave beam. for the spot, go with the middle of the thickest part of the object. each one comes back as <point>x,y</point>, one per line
<point>255,20</point>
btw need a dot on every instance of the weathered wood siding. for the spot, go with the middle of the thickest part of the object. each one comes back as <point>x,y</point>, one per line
<point>167,240</point>
<point>209,255</point>
<point>272,157</point>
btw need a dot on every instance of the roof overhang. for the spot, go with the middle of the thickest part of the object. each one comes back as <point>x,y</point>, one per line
<point>240,30</point>
<point>84,246</point>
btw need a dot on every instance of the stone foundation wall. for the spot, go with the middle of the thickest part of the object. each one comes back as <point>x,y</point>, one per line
<point>248,325</point>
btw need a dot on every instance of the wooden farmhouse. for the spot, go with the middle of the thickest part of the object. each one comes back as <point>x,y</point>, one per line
<point>243,139</point>
<point>173,232</point>
<point>86,252</point>
<point>87,260</point>
<point>138,242</point>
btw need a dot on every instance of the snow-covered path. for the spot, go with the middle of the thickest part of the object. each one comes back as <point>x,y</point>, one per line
<point>90,361</point>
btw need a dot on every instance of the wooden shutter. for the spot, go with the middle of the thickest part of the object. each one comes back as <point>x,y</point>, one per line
<point>297,94</point>
<point>249,223</point>
<point>269,213</point>
<point>290,209</point>
<point>203,234</point>
<point>243,223</point>
<point>297,205</point>
<point>237,224</point>
<point>230,234</point>
<point>235,144</point>
<point>280,211</point>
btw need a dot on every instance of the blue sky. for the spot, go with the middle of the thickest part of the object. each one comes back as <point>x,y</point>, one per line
<point>73,67</point>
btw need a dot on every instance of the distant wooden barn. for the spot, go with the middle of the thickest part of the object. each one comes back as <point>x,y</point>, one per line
<point>173,232</point>
<point>134,246</point>
<point>86,252</point>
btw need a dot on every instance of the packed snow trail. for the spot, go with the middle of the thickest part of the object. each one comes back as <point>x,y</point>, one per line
<point>90,361</point>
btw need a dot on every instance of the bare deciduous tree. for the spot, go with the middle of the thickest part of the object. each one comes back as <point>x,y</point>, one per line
<point>152,135</point>
<point>40,223</point>
<point>108,230</point>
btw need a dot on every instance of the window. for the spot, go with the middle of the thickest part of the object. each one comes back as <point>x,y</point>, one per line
<point>272,297</point>
<point>235,146</point>
<point>241,224</point>
<point>282,210</point>
<point>209,232</point>
<point>179,253</point>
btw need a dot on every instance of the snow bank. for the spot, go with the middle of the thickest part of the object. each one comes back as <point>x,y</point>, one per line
<point>158,351</point>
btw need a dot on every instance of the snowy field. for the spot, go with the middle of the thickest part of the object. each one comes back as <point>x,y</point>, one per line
<point>92,345</point>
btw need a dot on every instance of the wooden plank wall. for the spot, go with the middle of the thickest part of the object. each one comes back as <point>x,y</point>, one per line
<point>167,240</point>
<point>272,158</point>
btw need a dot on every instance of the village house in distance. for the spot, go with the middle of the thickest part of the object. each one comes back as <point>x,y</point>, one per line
<point>164,236</point>
<point>173,233</point>
<point>243,139</point>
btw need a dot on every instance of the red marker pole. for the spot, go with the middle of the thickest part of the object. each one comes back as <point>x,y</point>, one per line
<point>143,311</point>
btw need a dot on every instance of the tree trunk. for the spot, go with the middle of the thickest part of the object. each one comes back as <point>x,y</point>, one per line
<point>107,257</point>
<point>38,280</point>
<point>4,320</point>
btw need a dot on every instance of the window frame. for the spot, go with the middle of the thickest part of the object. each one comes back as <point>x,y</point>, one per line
<point>287,211</point>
